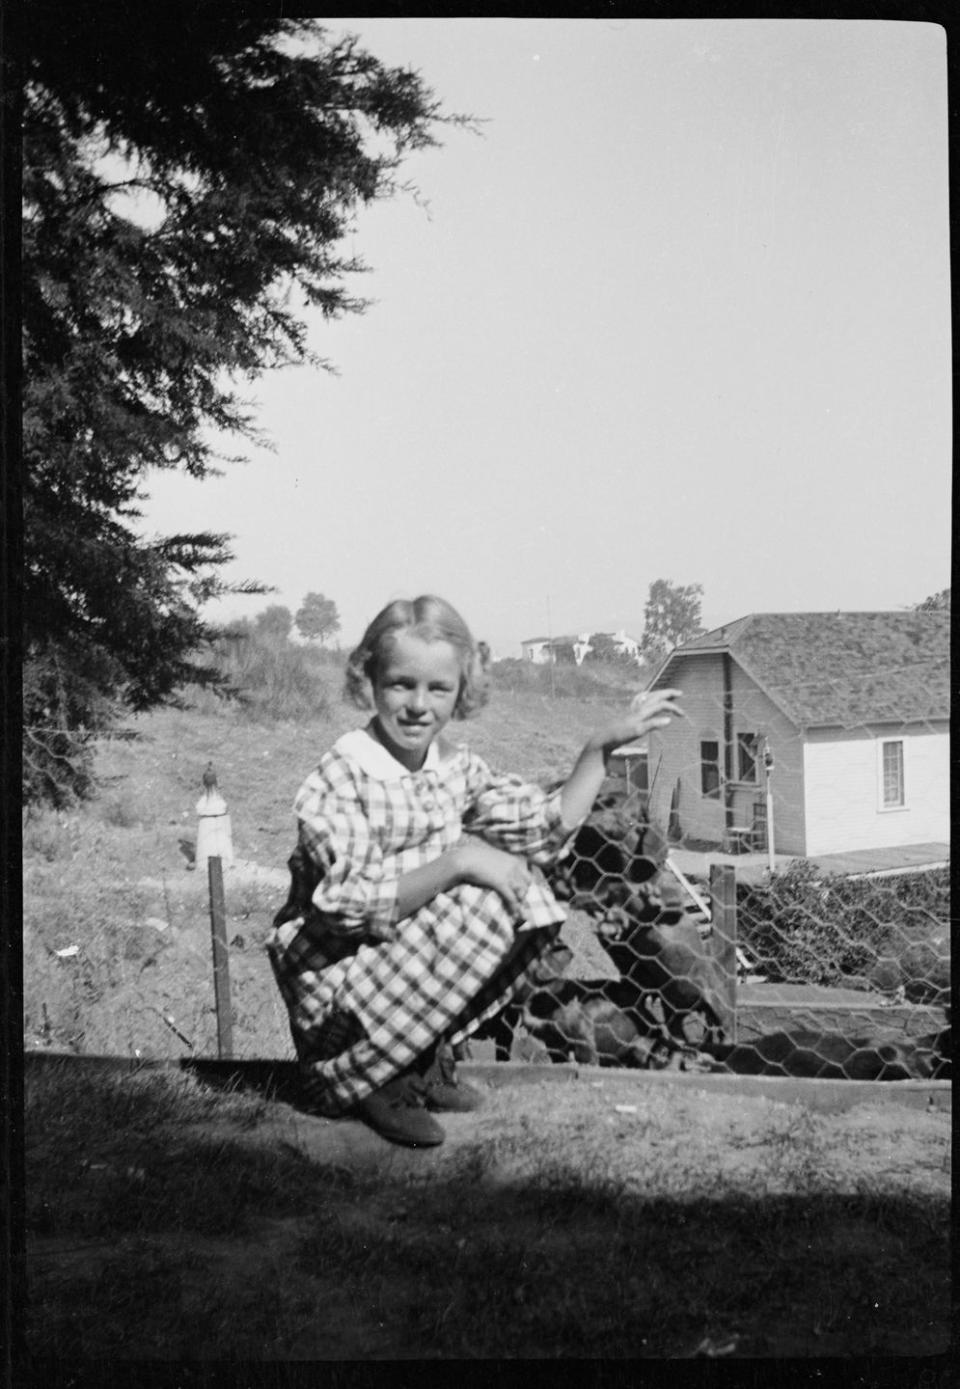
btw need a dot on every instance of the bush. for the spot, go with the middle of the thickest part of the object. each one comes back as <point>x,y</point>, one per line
<point>803,928</point>
<point>272,678</point>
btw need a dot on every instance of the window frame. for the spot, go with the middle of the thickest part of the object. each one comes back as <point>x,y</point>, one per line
<point>754,755</point>
<point>710,793</point>
<point>884,806</point>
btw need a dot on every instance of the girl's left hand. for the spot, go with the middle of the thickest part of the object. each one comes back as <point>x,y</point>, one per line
<point>651,709</point>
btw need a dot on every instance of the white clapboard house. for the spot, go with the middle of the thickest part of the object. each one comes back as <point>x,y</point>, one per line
<point>851,710</point>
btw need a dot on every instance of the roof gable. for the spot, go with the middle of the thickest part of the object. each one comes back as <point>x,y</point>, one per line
<point>838,669</point>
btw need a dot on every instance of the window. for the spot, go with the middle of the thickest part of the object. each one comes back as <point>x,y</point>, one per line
<point>891,774</point>
<point>748,753</point>
<point>710,768</point>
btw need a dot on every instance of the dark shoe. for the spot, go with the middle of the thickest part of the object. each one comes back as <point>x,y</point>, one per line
<point>445,1093</point>
<point>397,1112</point>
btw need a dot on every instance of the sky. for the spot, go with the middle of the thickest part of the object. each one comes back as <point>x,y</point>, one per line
<point>681,311</point>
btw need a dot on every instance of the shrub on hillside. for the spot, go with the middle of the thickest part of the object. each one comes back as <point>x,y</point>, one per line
<point>271,677</point>
<point>803,928</point>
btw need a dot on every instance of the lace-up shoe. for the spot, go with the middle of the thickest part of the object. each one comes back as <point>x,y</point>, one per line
<point>445,1092</point>
<point>398,1112</point>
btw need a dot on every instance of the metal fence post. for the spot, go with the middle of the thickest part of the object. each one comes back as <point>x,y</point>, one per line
<point>221,957</point>
<point>723,900</point>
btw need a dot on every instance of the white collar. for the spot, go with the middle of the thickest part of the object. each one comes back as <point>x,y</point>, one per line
<point>374,759</point>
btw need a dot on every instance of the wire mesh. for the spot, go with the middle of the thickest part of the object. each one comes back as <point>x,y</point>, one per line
<point>834,966</point>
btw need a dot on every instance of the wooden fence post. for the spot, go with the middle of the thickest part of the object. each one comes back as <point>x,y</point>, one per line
<point>723,899</point>
<point>221,958</point>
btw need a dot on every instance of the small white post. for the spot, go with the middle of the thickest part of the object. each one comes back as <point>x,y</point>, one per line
<point>214,848</point>
<point>214,836</point>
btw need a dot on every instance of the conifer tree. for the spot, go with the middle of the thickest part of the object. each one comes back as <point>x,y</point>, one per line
<point>190,172</point>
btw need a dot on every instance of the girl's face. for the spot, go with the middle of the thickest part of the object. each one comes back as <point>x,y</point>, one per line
<point>415,693</point>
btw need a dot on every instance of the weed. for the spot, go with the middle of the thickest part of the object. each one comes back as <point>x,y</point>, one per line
<point>121,809</point>
<point>275,679</point>
<point>49,835</point>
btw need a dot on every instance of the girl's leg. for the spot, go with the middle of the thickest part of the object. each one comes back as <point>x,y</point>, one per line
<point>455,963</point>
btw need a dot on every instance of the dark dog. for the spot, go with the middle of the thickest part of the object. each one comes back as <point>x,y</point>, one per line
<point>666,963</point>
<point>573,1019</point>
<point>615,873</point>
<point>668,976</point>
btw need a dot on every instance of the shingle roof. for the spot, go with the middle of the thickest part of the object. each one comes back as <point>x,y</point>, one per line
<point>839,669</point>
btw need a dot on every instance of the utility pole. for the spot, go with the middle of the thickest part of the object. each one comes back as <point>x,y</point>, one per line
<point>768,768</point>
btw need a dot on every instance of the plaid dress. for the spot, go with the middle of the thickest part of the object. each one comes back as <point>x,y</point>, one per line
<point>368,993</point>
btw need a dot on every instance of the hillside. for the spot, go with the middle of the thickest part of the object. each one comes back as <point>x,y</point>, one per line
<point>116,925</point>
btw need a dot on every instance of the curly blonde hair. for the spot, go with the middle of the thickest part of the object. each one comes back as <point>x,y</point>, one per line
<point>431,619</point>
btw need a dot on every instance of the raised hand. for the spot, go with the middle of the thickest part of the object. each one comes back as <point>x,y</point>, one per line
<point>651,709</point>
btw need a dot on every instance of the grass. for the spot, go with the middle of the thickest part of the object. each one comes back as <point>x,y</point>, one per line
<point>167,1221</point>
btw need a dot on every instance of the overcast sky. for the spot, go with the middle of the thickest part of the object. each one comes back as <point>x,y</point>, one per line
<point>681,312</point>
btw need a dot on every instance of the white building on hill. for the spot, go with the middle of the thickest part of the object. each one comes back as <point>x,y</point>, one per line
<point>544,649</point>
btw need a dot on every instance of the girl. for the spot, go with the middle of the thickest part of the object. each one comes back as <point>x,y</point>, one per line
<point>428,897</point>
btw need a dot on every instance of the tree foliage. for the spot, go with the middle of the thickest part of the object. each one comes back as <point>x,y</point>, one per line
<point>671,617</point>
<point>937,602</point>
<point>605,651</point>
<point>317,618</point>
<point>190,173</point>
<point>274,624</point>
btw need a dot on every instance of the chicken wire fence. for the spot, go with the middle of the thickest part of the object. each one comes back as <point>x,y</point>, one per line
<point>722,945</point>
<point>700,935</point>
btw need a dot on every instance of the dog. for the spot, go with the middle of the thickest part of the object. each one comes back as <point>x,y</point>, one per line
<point>615,873</point>
<point>575,1020</point>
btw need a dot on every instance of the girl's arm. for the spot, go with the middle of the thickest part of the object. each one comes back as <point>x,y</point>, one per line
<point>650,711</point>
<point>421,885</point>
<point>509,874</point>
<point>354,896</point>
<point>472,861</point>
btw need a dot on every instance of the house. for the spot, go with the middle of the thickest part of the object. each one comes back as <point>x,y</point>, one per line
<point>849,709</point>
<point>544,649</point>
<point>625,646</point>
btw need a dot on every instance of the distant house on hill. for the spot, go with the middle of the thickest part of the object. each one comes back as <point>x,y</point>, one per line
<point>853,709</point>
<point>544,649</point>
